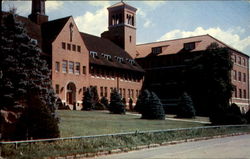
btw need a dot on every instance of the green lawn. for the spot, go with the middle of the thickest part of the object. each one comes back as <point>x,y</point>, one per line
<point>81,123</point>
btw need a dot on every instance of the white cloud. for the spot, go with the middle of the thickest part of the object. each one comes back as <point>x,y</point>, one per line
<point>99,3</point>
<point>154,4</point>
<point>93,23</point>
<point>230,37</point>
<point>146,22</point>
<point>53,5</point>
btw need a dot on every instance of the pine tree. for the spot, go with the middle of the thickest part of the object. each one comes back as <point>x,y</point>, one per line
<point>23,70</point>
<point>154,109</point>
<point>185,107</point>
<point>105,102</point>
<point>247,116</point>
<point>142,101</point>
<point>116,105</point>
<point>87,101</point>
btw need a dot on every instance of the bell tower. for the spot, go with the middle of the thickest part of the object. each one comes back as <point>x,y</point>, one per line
<point>38,12</point>
<point>122,27</point>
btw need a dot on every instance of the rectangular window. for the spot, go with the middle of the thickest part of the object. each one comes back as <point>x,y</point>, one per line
<point>234,74</point>
<point>74,47</point>
<point>239,60</point>
<point>77,68</point>
<point>129,95</point>
<point>57,67</point>
<point>57,89</point>
<point>111,89</point>
<point>65,66</point>
<point>63,45</point>
<point>240,93</point>
<point>101,91</point>
<point>132,93</point>
<point>239,74</point>
<point>69,46</point>
<point>71,67</point>
<point>124,93</point>
<point>105,91</point>
<point>189,46</point>
<point>244,77</point>
<point>235,58</point>
<point>78,48</point>
<point>244,94</point>
<point>156,50</point>
<point>84,70</point>
<point>244,61</point>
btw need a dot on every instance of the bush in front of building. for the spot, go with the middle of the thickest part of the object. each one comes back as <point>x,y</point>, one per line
<point>105,102</point>
<point>87,101</point>
<point>149,106</point>
<point>247,116</point>
<point>228,116</point>
<point>185,107</point>
<point>116,105</point>
<point>131,104</point>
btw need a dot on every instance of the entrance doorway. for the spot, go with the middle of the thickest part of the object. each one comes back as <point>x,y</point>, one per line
<point>71,94</point>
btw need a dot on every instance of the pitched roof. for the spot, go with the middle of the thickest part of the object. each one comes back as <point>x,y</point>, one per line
<point>121,4</point>
<point>175,46</point>
<point>105,46</point>
<point>50,31</point>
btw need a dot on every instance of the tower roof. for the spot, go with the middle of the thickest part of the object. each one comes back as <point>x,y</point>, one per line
<point>123,5</point>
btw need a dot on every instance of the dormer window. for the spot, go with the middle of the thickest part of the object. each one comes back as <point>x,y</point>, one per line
<point>119,59</point>
<point>189,46</point>
<point>106,56</point>
<point>156,50</point>
<point>93,54</point>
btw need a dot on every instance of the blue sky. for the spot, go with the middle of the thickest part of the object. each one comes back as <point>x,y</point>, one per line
<point>228,21</point>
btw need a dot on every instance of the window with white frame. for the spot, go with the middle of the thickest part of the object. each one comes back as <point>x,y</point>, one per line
<point>71,67</point>
<point>65,66</point>
<point>93,54</point>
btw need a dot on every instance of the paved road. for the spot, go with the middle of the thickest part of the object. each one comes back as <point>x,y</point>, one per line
<point>229,147</point>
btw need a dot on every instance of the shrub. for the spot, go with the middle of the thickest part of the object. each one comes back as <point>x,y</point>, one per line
<point>104,101</point>
<point>247,116</point>
<point>230,115</point>
<point>116,105</point>
<point>185,107</point>
<point>142,100</point>
<point>130,104</point>
<point>150,106</point>
<point>87,101</point>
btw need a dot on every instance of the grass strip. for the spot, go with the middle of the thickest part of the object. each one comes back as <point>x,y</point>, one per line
<point>108,143</point>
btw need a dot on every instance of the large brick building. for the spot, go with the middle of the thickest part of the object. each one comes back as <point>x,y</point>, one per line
<point>80,60</point>
<point>164,62</point>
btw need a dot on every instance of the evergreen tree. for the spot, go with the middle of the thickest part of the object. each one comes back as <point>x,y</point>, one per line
<point>87,101</point>
<point>185,107</point>
<point>23,70</point>
<point>116,105</point>
<point>208,79</point>
<point>105,102</point>
<point>131,104</point>
<point>95,97</point>
<point>149,105</point>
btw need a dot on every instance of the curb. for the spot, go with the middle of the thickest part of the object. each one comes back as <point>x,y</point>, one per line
<point>141,147</point>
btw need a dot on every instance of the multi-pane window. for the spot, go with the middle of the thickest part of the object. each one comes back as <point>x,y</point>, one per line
<point>57,89</point>
<point>244,62</point>
<point>64,66</point>
<point>84,70</point>
<point>71,67</point>
<point>239,75</point>
<point>189,46</point>
<point>78,48</point>
<point>77,68</point>
<point>244,94</point>
<point>156,50</point>
<point>57,67</point>
<point>129,95</point>
<point>63,45</point>
<point>69,46</point>
<point>132,93</point>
